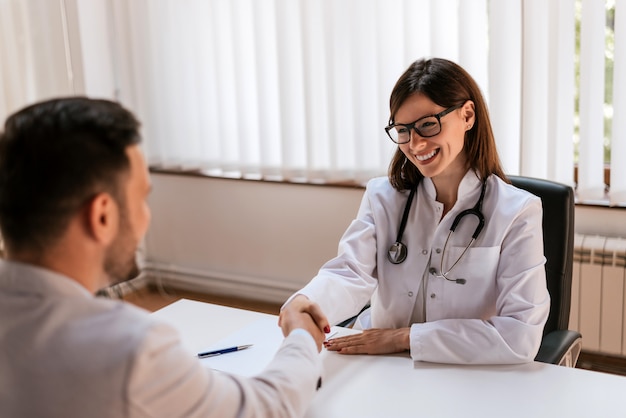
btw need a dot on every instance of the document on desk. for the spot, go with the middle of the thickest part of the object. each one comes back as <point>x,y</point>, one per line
<point>265,336</point>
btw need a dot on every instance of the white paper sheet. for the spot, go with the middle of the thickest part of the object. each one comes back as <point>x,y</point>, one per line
<point>266,337</point>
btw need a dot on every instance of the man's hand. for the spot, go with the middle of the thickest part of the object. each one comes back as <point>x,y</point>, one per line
<point>300,312</point>
<point>372,341</point>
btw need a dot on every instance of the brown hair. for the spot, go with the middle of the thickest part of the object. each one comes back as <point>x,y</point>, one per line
<point>447,85</point>
<point>54,156</point>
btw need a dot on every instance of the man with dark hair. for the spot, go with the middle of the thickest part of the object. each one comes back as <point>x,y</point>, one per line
<point>73,184</point>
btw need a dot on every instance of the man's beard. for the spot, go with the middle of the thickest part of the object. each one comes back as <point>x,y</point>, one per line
<point>122,272</point>
<point>120,263</point>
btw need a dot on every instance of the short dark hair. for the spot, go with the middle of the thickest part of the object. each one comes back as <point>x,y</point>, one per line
<point>446,84</point>
<point>55,156</point>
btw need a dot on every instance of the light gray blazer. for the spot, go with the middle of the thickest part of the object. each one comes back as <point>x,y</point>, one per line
<point>65,353</point>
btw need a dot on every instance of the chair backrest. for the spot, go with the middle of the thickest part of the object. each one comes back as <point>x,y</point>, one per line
<point>558,244</point>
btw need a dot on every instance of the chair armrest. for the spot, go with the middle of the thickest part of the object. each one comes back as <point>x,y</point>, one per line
<point>560,347</point>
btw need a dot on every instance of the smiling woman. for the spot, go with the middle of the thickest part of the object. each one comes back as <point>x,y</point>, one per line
<point>490,309</point>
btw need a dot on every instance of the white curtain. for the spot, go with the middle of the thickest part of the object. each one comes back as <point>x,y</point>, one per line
<point>547,90</point>
<point>35,58</point>
<point>618,139</point>
<point>592,41</point>
<point>505,78</point>
<point>284,89</point>
<point>298,90</point>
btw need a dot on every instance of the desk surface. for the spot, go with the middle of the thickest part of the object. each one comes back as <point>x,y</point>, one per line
<point>395,386</point>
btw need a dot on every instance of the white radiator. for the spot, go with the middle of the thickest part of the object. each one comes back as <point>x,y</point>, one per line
<point>598,309</point>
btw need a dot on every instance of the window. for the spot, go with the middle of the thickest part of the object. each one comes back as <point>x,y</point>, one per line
<point>597,34</point>
<point>297,90</point>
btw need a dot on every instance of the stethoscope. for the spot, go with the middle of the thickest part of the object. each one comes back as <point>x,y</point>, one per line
<point>398,250</point>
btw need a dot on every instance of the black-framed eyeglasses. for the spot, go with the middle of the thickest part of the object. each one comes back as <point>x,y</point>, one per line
<point>426,127</point>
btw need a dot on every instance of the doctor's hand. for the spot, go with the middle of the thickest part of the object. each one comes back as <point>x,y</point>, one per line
<point>300,312</point>
<point>372,341</point>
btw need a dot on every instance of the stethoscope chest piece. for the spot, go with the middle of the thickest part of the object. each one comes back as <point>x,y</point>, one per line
<point>397,253</point>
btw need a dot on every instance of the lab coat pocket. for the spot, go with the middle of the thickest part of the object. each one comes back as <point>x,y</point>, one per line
<point>478,263</point>
<point>476,297</point>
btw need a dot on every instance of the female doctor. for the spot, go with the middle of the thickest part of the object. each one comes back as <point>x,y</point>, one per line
<point>448,253</point>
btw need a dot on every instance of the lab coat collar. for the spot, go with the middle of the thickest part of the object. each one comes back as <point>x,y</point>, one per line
<point>469,183</point>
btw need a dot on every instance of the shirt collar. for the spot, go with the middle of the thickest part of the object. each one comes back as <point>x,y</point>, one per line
<point>28,278</point>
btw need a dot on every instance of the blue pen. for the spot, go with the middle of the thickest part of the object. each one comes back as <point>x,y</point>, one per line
<point>223,351</point>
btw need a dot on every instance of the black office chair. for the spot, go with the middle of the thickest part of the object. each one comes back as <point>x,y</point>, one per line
<point>559,345</point>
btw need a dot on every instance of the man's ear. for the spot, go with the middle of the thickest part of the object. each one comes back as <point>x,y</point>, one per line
<point>103,218</point>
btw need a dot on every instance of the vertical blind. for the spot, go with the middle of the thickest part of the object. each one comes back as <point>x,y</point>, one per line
<point>618,140</point>
<point>591,98</point>
<point>298,90</point>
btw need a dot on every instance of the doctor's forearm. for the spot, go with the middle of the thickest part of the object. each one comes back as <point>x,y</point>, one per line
<point>372,341</point>
<point>471,341</point>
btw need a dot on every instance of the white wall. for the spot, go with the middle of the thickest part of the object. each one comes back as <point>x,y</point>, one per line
<point>265,240</point>
<point>252,239</point>
<point>597,220</point>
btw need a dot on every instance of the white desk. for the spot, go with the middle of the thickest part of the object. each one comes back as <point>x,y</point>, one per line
<point>394,386</point>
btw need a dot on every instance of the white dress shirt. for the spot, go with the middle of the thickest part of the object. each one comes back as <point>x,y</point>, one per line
<point>67,354</point>
<point>497,316</point>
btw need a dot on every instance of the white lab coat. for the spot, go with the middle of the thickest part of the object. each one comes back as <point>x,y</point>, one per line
<point>496,317</point>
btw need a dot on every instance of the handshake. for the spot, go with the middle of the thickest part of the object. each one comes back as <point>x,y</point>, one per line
<point>302,313</point>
